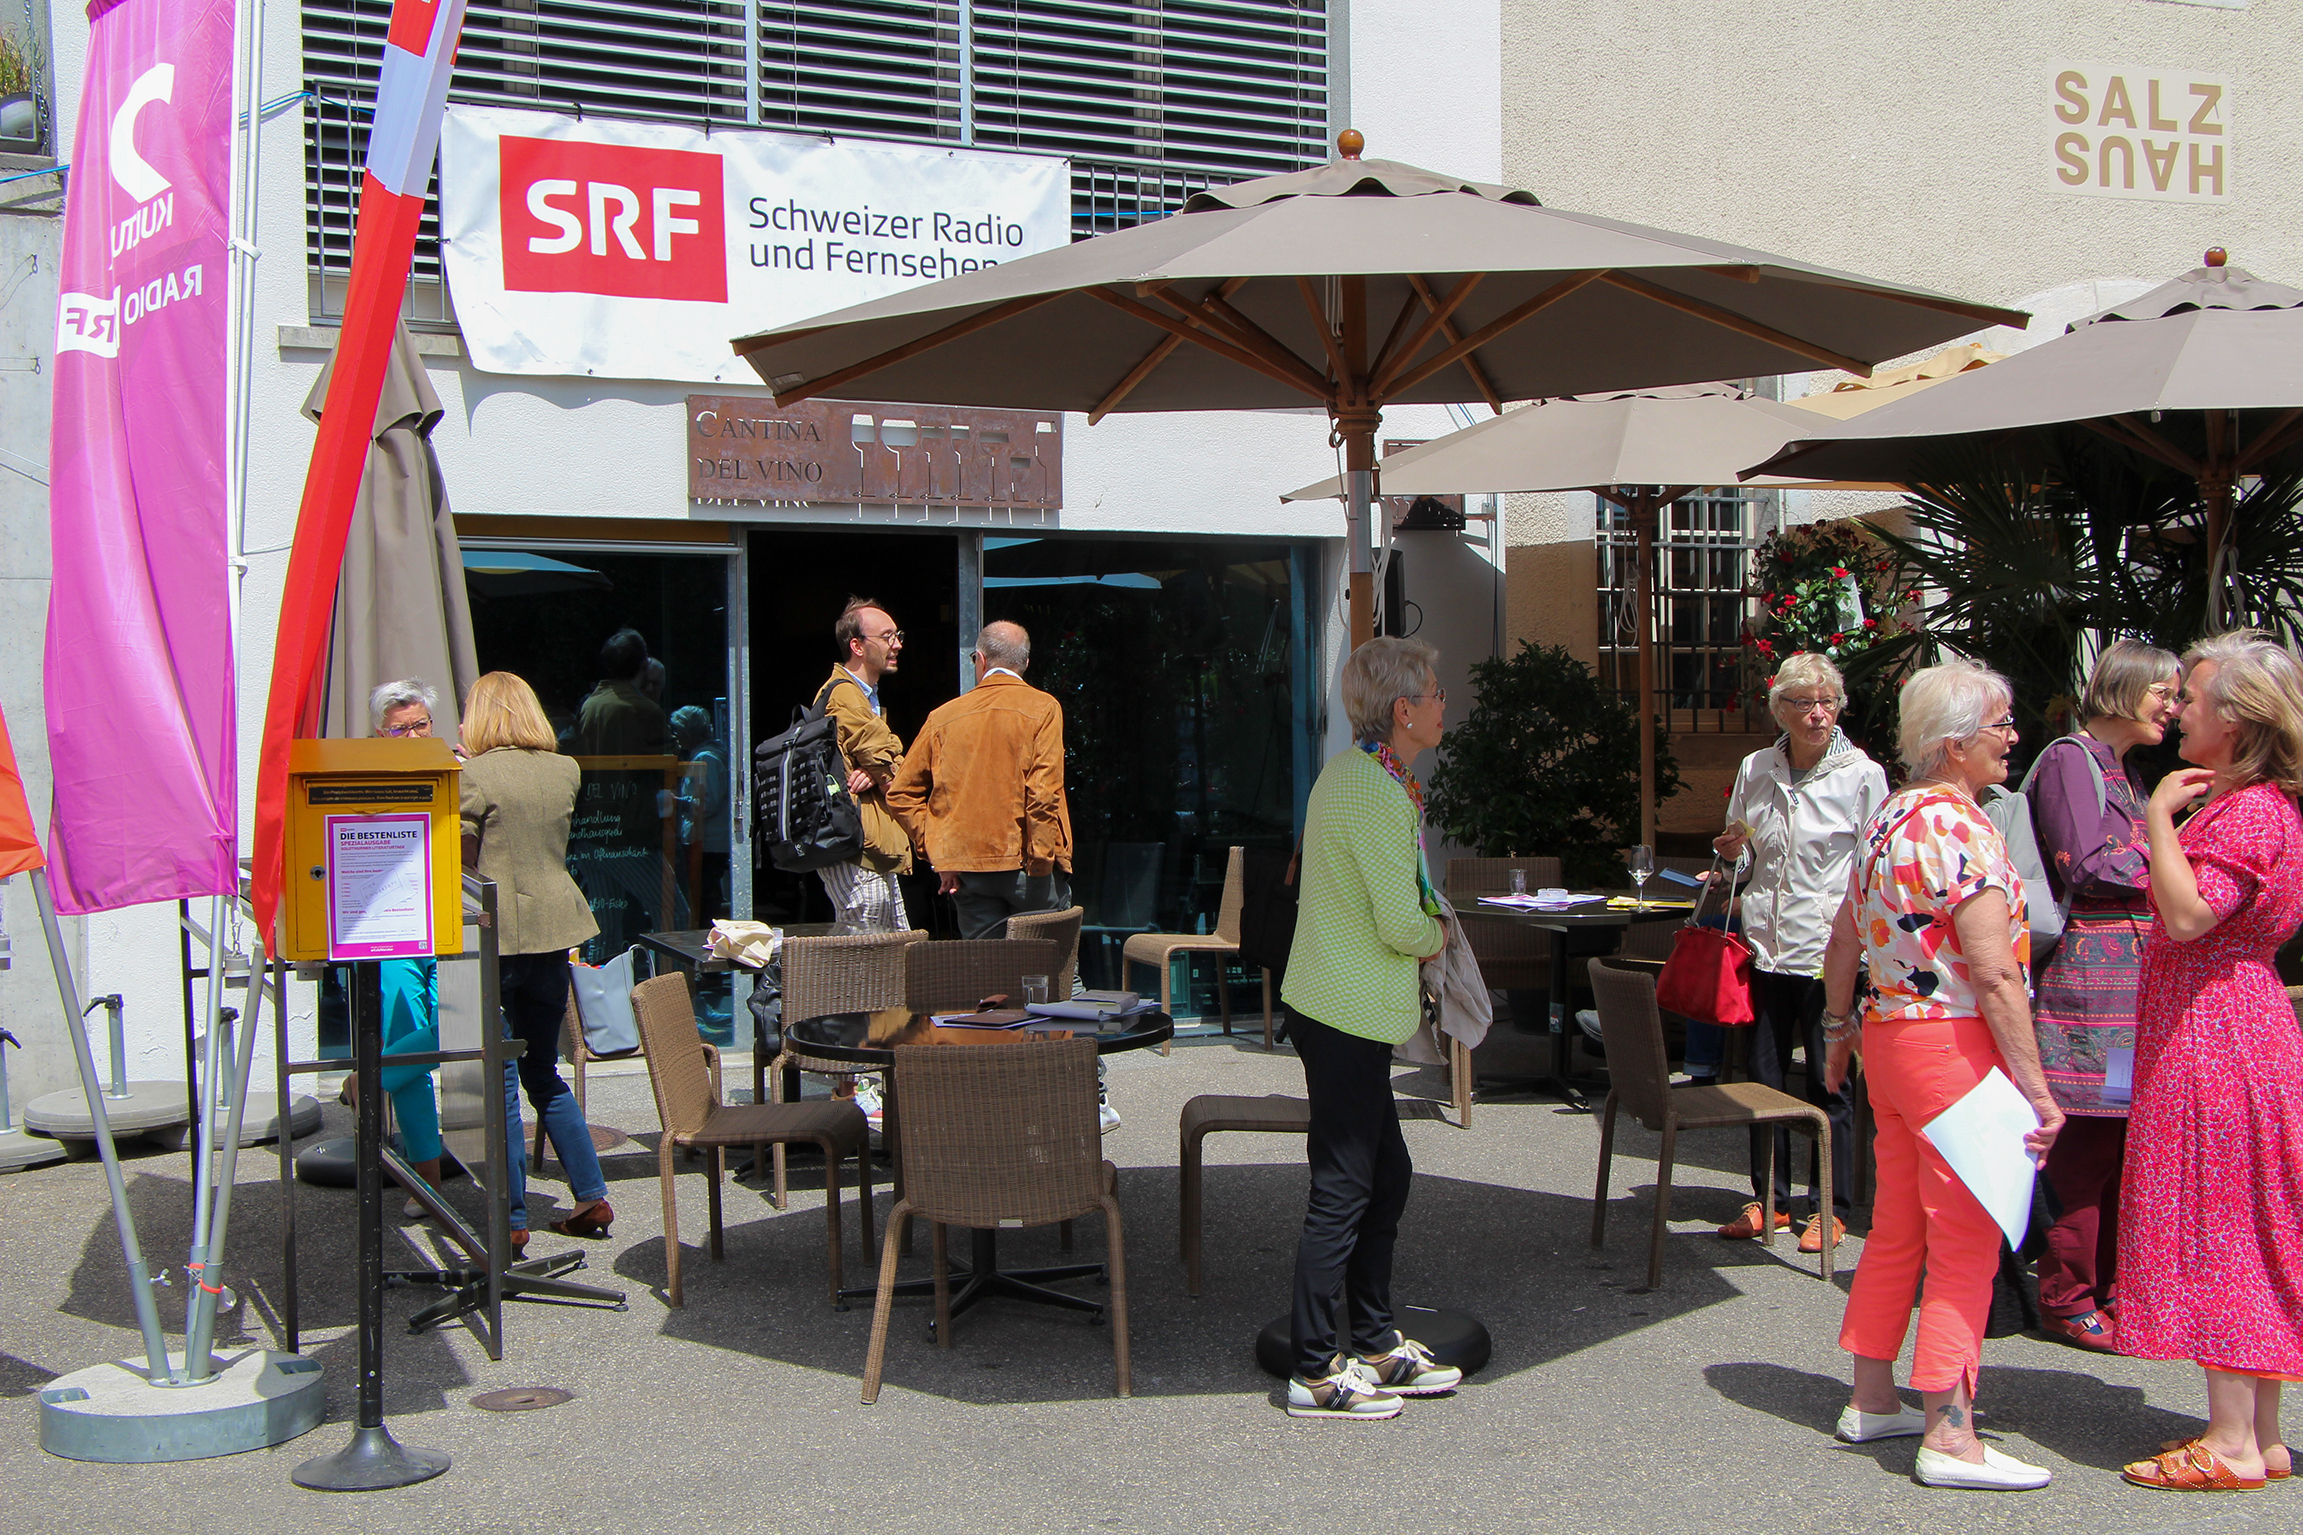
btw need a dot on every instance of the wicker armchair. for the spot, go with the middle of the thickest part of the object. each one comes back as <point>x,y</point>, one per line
<point>953,976</point>
<point>685,1073</point>
<point>854,973</point>
<point>1062,928</point>
<point>1000,1138</point>
<point>1160,949</point>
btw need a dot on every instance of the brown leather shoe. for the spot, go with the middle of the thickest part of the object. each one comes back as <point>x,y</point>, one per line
<point>590,1221</point>
<point>1811,1236</point>
<point>1746,1226</point>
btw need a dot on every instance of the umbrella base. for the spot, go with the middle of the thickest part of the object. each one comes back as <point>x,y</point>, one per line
<point>20,1149</point>
<point>113,1413</point>
<point>372,1462</point>
<point>149,1107</point>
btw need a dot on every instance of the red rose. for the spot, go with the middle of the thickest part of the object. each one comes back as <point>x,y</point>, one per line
<point>1838,638</point>
<point>1839,572</point>
<point>1871,623</point>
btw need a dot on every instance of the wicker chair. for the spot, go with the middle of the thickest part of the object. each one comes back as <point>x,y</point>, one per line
<point>1160,949</point>
<point>1000,1138</point>
<point>685,1073</point>
<point>854,973</point>
<point>1639,1076</point>
<point>953,976</point>
<point>1062,928</point>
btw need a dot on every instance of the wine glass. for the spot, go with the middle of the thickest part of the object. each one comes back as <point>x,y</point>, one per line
<point>1642,866</point>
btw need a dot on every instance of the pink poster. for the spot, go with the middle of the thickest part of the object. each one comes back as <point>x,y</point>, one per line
<point>139,657</point>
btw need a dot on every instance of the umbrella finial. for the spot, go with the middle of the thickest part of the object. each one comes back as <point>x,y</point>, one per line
<point>2218,256</point>
<point>1349,143</point>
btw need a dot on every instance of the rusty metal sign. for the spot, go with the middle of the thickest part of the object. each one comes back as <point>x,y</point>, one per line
<point>747,448</point>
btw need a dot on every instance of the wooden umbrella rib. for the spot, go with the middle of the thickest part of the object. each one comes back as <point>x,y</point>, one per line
<point>1742,325</point>
<point>1319,324</point>
<point>1479,379</point>
<point>913,348</point>
<point>1239,330</point>
<point>1391,336</point>
<point>2273,440</point>
<point>1149,363</point>
<point>2130,433</point>
<point>1204,336</point>
<point>1431,325</point>
<point>1492,329</point>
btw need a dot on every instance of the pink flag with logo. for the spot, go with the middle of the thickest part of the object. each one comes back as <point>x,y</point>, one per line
<point>139,659</point>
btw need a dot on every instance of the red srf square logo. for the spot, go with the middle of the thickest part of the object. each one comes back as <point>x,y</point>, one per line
<point>613,220</point>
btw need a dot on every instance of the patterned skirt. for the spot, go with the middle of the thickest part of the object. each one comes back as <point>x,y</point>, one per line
<point>2085,1001</point>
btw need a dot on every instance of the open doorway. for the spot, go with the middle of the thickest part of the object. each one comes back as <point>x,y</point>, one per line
<point>799,582</point>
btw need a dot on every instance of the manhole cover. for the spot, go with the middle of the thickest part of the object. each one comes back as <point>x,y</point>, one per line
<point>521,1399</point>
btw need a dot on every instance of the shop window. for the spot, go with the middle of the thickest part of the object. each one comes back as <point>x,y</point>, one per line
<point>1702,556</point>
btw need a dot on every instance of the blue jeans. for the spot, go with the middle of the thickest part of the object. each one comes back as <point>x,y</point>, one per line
<point>534,991</point>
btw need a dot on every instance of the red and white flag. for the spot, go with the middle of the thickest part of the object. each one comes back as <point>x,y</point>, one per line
<point>411,96</point>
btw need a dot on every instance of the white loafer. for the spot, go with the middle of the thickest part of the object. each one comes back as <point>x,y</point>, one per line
<point>1998,1473</point>
<point>1859,1427</point>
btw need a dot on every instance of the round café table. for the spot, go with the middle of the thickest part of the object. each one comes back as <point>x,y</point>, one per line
<point>871,1041</point>
<point>1558,925</point>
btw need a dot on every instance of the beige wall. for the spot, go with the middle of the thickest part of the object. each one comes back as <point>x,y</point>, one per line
<point>1552,597</point>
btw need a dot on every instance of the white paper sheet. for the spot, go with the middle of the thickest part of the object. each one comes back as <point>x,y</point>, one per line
<point>1981,1136</point>
<point>2119,1074</point>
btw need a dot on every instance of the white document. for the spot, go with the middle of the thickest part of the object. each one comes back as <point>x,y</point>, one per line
<point>379,886</point>
<point>2119,1074</point>
<point>1981,1136</point>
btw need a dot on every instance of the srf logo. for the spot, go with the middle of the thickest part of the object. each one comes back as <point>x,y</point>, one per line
<point>612,220</point>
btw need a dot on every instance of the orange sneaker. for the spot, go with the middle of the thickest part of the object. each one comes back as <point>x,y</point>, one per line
<point>1746,1226</point>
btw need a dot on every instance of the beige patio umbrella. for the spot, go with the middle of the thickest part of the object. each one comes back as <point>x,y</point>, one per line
<point>1354,285</point>
<point>2204,374</point>
<point>1641,450</point>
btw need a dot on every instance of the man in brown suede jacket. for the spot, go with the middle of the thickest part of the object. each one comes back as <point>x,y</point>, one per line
<point>865,892</point>
<point>982,792</point>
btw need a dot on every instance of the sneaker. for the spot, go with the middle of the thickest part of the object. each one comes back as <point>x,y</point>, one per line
<point>1408,1370</point>
<point>1107,1117</point>
<point>1342,1393</point>
<point>1859,1427</point>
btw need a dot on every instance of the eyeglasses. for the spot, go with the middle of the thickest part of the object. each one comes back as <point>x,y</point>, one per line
<point>892,637</point>
<point>2165,690</point>
<point>1440,694</point>
<point>421,727</point>
<point>1810,705</point>
<point>2005,724</point>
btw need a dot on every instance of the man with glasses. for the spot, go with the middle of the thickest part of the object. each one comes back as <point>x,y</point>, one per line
<point>865,893</point>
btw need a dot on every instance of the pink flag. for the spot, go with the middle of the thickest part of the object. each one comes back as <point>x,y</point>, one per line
<point>139,659</point>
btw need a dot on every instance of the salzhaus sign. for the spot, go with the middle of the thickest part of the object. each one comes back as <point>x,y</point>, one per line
<point>2159,134</point>
<point>747,448</point>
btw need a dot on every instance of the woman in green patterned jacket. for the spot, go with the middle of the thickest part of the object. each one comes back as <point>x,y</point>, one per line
<point>1367,920</point>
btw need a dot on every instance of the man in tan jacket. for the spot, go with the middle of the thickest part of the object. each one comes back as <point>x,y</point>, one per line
<point>982,792</point>
<point>865,893</point>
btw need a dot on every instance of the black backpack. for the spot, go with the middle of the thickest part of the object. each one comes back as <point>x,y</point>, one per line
<point>806,818</point>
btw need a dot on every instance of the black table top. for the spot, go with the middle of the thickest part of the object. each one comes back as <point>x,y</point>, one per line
<point>872,1039</point>
<point>1575,917</point>
<point>693,945</point>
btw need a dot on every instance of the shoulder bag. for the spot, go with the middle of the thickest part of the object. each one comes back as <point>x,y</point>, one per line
<point>1708,977</point>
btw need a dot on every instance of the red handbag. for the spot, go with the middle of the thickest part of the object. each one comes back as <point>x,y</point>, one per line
<point>1708,977</point>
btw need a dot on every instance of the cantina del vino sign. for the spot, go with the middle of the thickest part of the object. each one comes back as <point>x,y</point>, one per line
<point>747,448</point>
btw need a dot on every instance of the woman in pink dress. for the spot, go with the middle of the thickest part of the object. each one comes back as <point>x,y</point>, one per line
<point>2211,1206</point>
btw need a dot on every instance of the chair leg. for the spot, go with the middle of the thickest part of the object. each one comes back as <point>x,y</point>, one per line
<point>864,1192</point>
<point>1662,1200</point>
<point>1267,1010</point>
<point>1189,1195</point>
<point>877,1354</point>
<point>832,1215</point>
<point>1460,1083</point>
<point>1606,1159</point>
<point>1222,1003</point>
<point>715,1163</point>
<point>1766,1172</point>
<point>1116,1262</point>
<point>1823,1182</point>
<point>774,1087</point>
<point>943,1271</point>
<point>667,1168</point>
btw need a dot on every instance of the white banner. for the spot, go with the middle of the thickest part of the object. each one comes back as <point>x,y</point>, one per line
<point>637,250</point>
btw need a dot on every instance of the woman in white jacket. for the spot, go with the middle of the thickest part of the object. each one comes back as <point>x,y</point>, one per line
<point>1797,812</point>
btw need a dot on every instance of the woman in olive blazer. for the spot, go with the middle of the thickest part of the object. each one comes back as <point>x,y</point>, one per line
<point>519,795</point>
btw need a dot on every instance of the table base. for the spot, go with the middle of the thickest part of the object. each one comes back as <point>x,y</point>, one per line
<point>984,1278</point>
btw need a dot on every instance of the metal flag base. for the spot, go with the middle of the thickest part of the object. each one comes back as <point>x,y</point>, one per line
<point>19,1150</point>
<point>149,1107</point>
<point>372,1462</point>
<point>115,1413</point>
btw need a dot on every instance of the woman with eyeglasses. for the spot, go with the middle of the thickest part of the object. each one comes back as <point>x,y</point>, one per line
<point>1934,913</point>
<point>2211,1203</point>
<point>1796,811</point>
<point>2087,808</point>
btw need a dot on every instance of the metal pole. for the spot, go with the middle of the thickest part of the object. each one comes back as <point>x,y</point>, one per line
<point>139,1278</point>
<point>192,1115</point>
<point>116,1038</point>
<point>1644,511</point>
<point>206,1292</point>
<point>7,1116</point>
<point>211,1065</point>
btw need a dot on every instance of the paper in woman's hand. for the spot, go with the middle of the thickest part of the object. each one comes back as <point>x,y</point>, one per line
<point>1981,1136</point>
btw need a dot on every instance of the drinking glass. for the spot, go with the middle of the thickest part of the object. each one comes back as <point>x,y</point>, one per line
<point>1519,882</point>
<point>1035,989</point>
<point>1642,866</point>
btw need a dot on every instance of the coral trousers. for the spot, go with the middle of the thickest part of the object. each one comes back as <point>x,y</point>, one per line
<point>1923,1215</point>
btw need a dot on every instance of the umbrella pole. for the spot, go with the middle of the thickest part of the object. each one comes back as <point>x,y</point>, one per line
<point>1644,510</point>
<point>2215,488</point>
<point>1357,428</point>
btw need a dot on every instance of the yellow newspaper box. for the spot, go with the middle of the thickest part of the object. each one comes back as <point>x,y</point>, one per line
<point>374,850</point>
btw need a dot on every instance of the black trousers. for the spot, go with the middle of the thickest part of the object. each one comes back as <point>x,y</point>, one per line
<point>1790,1012</point>
<point>1360,1173</point>
<point>533,990</point>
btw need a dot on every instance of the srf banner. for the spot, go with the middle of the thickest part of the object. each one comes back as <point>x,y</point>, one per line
<point>139,649</point>
<point>636,250</point>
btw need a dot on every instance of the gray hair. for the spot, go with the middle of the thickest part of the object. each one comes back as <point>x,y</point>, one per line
<point>1806,669</point>
<point>2257,685</point>
<point>1002,643</point>
<point>2123,676</point>
<point>1380,673</point>
<point>690,725</point>
<point>398,695</point>
<point>1947,703</point>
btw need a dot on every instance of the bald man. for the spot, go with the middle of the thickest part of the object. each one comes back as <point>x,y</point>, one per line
<point>981,792</point>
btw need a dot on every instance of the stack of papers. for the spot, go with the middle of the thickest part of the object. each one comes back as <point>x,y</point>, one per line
<point>1093,1007</point>
<point>1541,900</point>
<point>1981,1136</point>
<point>1001,1018</point>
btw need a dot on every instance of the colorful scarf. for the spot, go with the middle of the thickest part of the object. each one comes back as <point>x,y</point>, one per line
<point>1381,751</point>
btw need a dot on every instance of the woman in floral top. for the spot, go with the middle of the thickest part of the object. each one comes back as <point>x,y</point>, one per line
<point>1936,913</point>
<point>2087,805</point>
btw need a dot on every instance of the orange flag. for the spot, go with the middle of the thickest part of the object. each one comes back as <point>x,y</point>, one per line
<point>19,848</point>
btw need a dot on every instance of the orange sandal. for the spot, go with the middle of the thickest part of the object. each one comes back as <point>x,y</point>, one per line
<point>2191,1468</point>
<point>2270,1473</point>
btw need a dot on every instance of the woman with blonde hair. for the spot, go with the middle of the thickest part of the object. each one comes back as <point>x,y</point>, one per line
<point>1797,811</point>
<point>1935,914</point>
<point>519,795</point>
<point>2211,1207</point>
